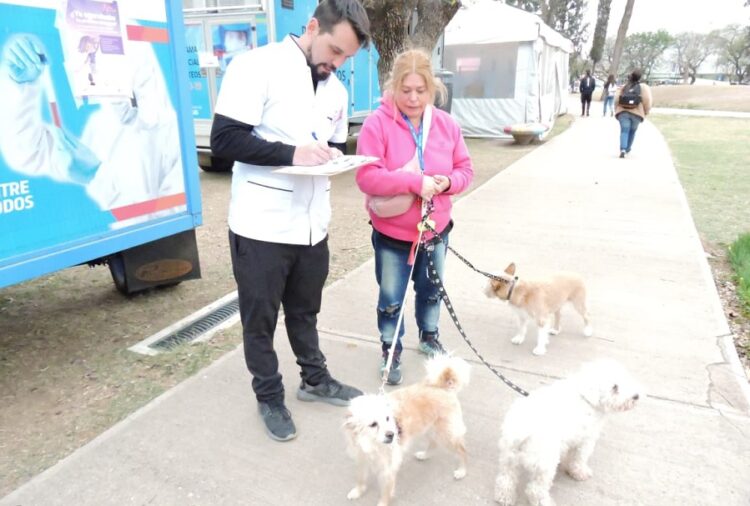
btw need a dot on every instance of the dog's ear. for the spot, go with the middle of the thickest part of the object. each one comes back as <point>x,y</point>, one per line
<point>511,269</point>
<point>350,423</point>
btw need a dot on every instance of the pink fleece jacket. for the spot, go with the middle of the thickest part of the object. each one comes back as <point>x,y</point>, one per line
<point>390,139</point>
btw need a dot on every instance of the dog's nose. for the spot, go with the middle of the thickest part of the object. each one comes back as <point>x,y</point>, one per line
<point>389,437</point>
<point>635,397</point>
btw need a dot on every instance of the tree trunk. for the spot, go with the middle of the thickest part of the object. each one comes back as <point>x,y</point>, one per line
<point>600,31</point>
<point>390,22</point>
<point>622,32</point>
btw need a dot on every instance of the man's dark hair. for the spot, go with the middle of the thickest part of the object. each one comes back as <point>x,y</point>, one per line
<point>329,13</point>
<point>635,76</point>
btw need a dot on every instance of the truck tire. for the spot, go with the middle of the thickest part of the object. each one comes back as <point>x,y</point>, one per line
<point>117,269</point>
<point>218,165</point>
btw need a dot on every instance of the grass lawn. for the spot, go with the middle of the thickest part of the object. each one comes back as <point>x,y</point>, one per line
<point>717,98</point>
<point>712,156</point>
<point>739,256</point>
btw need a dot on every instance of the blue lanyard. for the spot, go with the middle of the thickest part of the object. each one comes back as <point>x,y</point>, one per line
<point>417,136</point>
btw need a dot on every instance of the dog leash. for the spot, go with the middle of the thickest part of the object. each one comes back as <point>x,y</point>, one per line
<point>435,279</point>
<point>508,279</point>
<point>426,210</point>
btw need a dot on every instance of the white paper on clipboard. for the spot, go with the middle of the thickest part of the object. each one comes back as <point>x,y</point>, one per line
<point>335,166</point>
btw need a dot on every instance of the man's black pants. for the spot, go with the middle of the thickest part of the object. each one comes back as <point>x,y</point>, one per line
<point>269,275</point>
<point>585,103</point>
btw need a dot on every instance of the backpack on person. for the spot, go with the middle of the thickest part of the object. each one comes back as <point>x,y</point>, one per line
<point>630,98</point>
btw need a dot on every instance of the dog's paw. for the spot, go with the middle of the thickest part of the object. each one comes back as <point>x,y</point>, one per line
<point>588,331</point>
<point>355,493</point>
<point>539,350</point>
<point>422,455</point>
<point>580,473</point>
<point>459,473</point>
<point>553,332</point>
<point>518,339</point>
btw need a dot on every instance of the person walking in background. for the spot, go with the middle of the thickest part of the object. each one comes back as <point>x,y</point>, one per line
<point>633,103</point>
<point>281,104</point>
<point>608,95</point>
<point>422,156</point>
<point>587,87</point>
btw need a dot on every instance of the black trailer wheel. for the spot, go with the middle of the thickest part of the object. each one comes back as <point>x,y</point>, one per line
<point>117,269</point>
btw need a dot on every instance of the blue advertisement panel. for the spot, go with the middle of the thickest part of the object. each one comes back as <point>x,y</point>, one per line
<point>200,93</point>
<point>232,39</point>
<point>293,20</point>
<point>89,133</point>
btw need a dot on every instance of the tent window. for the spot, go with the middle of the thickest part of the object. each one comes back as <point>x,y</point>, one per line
<point>483,70</point>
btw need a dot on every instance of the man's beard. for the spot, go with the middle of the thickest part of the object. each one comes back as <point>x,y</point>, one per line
<point>320,71</point>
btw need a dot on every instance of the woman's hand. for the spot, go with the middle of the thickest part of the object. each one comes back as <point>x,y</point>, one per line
<point>429,188</point>
<point>442,182</point>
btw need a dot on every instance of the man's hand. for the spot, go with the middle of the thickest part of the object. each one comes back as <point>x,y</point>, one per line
<point>23,57</point>
<point>315,153</point>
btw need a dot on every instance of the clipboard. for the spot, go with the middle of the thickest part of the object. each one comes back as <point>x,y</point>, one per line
<point>331,168</point>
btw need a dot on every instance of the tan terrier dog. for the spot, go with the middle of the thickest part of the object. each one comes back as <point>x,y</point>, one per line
<point>539,300</point>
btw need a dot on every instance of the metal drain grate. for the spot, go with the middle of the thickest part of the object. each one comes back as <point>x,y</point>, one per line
<point>199,326</point>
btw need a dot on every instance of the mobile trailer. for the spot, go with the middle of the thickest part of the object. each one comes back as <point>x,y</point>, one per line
<point>97,158</point>
<point>218,30</point>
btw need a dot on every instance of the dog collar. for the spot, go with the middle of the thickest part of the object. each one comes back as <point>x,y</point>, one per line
<point>512,286</point>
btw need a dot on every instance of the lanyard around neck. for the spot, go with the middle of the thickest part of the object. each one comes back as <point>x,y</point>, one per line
<point>417,136</point>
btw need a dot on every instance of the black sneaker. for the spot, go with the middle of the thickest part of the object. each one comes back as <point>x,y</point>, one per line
<point>329,390</point>
<point>622,154</point>
<point>278,420</point>
<point>394,375</point>
<point>430,345</point>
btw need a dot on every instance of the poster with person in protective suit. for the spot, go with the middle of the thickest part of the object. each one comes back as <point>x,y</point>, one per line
<point>89,137</point>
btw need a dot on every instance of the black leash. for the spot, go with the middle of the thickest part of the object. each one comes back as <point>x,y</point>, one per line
<point>435,279</point>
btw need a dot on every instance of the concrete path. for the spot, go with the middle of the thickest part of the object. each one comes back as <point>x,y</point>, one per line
<point>571,204</point>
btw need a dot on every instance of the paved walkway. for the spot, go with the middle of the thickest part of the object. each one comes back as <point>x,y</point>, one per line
<point>571,204</point>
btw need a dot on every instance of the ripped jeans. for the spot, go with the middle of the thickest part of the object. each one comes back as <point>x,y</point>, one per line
<point>392,275</point>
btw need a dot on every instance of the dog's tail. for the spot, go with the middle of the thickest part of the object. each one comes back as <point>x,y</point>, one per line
<point>445,371</point>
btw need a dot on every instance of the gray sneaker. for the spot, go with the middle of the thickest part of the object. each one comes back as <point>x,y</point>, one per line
<point>429,344</point>
<point>329,390</point>
<point>394,375</point>
<point>278,420</point>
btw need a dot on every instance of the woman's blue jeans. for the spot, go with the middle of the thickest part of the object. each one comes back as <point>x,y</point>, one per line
<point>392,275</point>
<point>628,125</point>
<point>609,103</point>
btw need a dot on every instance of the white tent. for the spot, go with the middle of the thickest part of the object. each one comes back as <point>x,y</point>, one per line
<point>509,68</point>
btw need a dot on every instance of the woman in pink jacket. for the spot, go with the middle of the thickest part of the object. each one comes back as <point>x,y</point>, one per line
<point>422,156</point>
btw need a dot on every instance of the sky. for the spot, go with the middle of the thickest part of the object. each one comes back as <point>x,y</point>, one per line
<point>674,16</point>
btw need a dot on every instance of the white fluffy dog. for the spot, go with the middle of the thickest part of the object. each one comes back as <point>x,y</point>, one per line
<point>559,424</point>
<point>380,428</point>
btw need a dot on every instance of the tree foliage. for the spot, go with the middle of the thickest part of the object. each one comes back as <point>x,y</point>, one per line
<point>565,16</point>
<point>733,44</point>
<point>600,31</point>
<point>692,49</point>
<point>394,28</point>
<point>644,50</point>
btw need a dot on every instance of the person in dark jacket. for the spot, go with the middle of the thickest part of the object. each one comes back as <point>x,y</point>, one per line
<point>586,88</point>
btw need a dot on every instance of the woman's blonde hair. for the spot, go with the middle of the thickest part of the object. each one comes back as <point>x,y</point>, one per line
<point>415,61</point>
